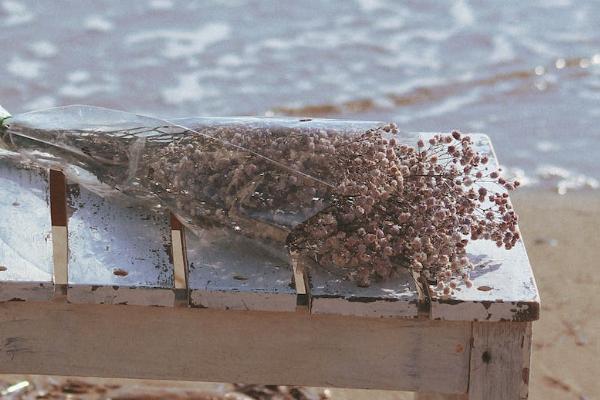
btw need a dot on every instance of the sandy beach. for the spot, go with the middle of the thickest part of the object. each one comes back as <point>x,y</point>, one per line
<point>562,234</point>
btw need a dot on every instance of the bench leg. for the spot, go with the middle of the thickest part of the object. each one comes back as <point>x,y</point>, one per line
<point>499,368</point>
<point>500,356</point>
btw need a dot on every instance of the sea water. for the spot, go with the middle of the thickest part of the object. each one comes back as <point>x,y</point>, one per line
<point>526,73</point>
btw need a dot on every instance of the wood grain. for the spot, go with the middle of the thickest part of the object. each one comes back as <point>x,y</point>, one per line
<point>25,231</point>
<point>440,396</point>
<point>118,254</point>
<point>178,253</point>
<point>58,216</point>
<point>504,287</point>
<point>238,273</point>
<point>332,294</point>
<point>500,358</point>
<point>233,346</point>
<point>230,271</point>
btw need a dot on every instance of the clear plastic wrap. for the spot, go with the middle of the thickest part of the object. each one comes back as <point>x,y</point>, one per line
<point>343,194</point>
<point>255,176</point>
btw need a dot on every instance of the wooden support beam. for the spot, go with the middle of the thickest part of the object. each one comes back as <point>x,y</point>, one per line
<point>440,396</point>
<point>500,358</point>
<point>233,346</point>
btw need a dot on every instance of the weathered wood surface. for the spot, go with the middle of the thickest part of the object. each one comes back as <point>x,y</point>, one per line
<point>58,216</point>
<point>234,346</point>
<point>178,253</point>
<point>228,271</point>
<point>500,357</point>
<point>25,231</point>
<point>117,254</point>
<point>237,273</point>
<point>504,287</point>
<point>441,396</point>
<point>123,255</point>
<point>332,295</point>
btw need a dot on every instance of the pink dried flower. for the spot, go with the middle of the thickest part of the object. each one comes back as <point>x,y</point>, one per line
<point>418,211</point>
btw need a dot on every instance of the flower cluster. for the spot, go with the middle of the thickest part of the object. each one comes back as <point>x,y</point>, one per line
<point>417,207</point>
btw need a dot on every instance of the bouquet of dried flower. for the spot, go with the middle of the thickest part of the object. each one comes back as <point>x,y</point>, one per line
<point>353,197</point>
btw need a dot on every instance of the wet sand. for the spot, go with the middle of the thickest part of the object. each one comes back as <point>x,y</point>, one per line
<point>562,234</point>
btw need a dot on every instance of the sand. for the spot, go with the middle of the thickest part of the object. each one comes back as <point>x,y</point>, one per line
<point>562,234</point>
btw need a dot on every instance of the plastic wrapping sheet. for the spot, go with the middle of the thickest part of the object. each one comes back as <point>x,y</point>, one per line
<point>343,194</point>
<point>256,177</point>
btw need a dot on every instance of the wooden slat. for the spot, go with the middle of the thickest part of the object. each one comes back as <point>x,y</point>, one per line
<point>25,231</point>
<point>331,294</point>
<point>232,346</point>
<point>440,396</point>
<point>58,216</point>
<point>229,271</point>
<point>504,287</point>
<point>500,358</point>
<point>178,251</point>
<point>117,254</point>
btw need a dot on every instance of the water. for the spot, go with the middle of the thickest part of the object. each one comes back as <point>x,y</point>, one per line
<point>526,73</point>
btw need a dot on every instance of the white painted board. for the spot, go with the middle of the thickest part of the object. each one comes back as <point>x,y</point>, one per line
<point>504,287</point>
<point>331,294</point>
<point>229,271</point>
<point>25,231</point>
<point>117,254</point>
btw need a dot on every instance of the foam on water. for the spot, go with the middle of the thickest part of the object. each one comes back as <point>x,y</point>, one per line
<point>503,50</point>
<point>371,5</point>
<point>43,49</point>
<point>161,4</point>
<point>97,23</point>
<point>462,13</point>
<point>178,44</point>
<point>26,69</point>
<point>564,180</point>
<point>16,13</point>
<point>188,89</point>
<point>41,103</point>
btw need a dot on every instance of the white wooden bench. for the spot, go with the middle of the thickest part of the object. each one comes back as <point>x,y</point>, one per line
<point>90,288</point>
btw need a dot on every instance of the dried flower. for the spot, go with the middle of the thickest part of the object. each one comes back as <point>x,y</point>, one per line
<point>424,224</point>
<point>359,203</point>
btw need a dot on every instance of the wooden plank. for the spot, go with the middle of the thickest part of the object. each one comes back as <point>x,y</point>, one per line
<point>440,396</point>
<point>25,231</point>
<point>232,346</point>
<point>58,216</point>
<point>118,254</point>
<point>331,294</point>
<point>504,287</point>
<point>179,257</point>
<point>500,357</point>
<point>229,271</point>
